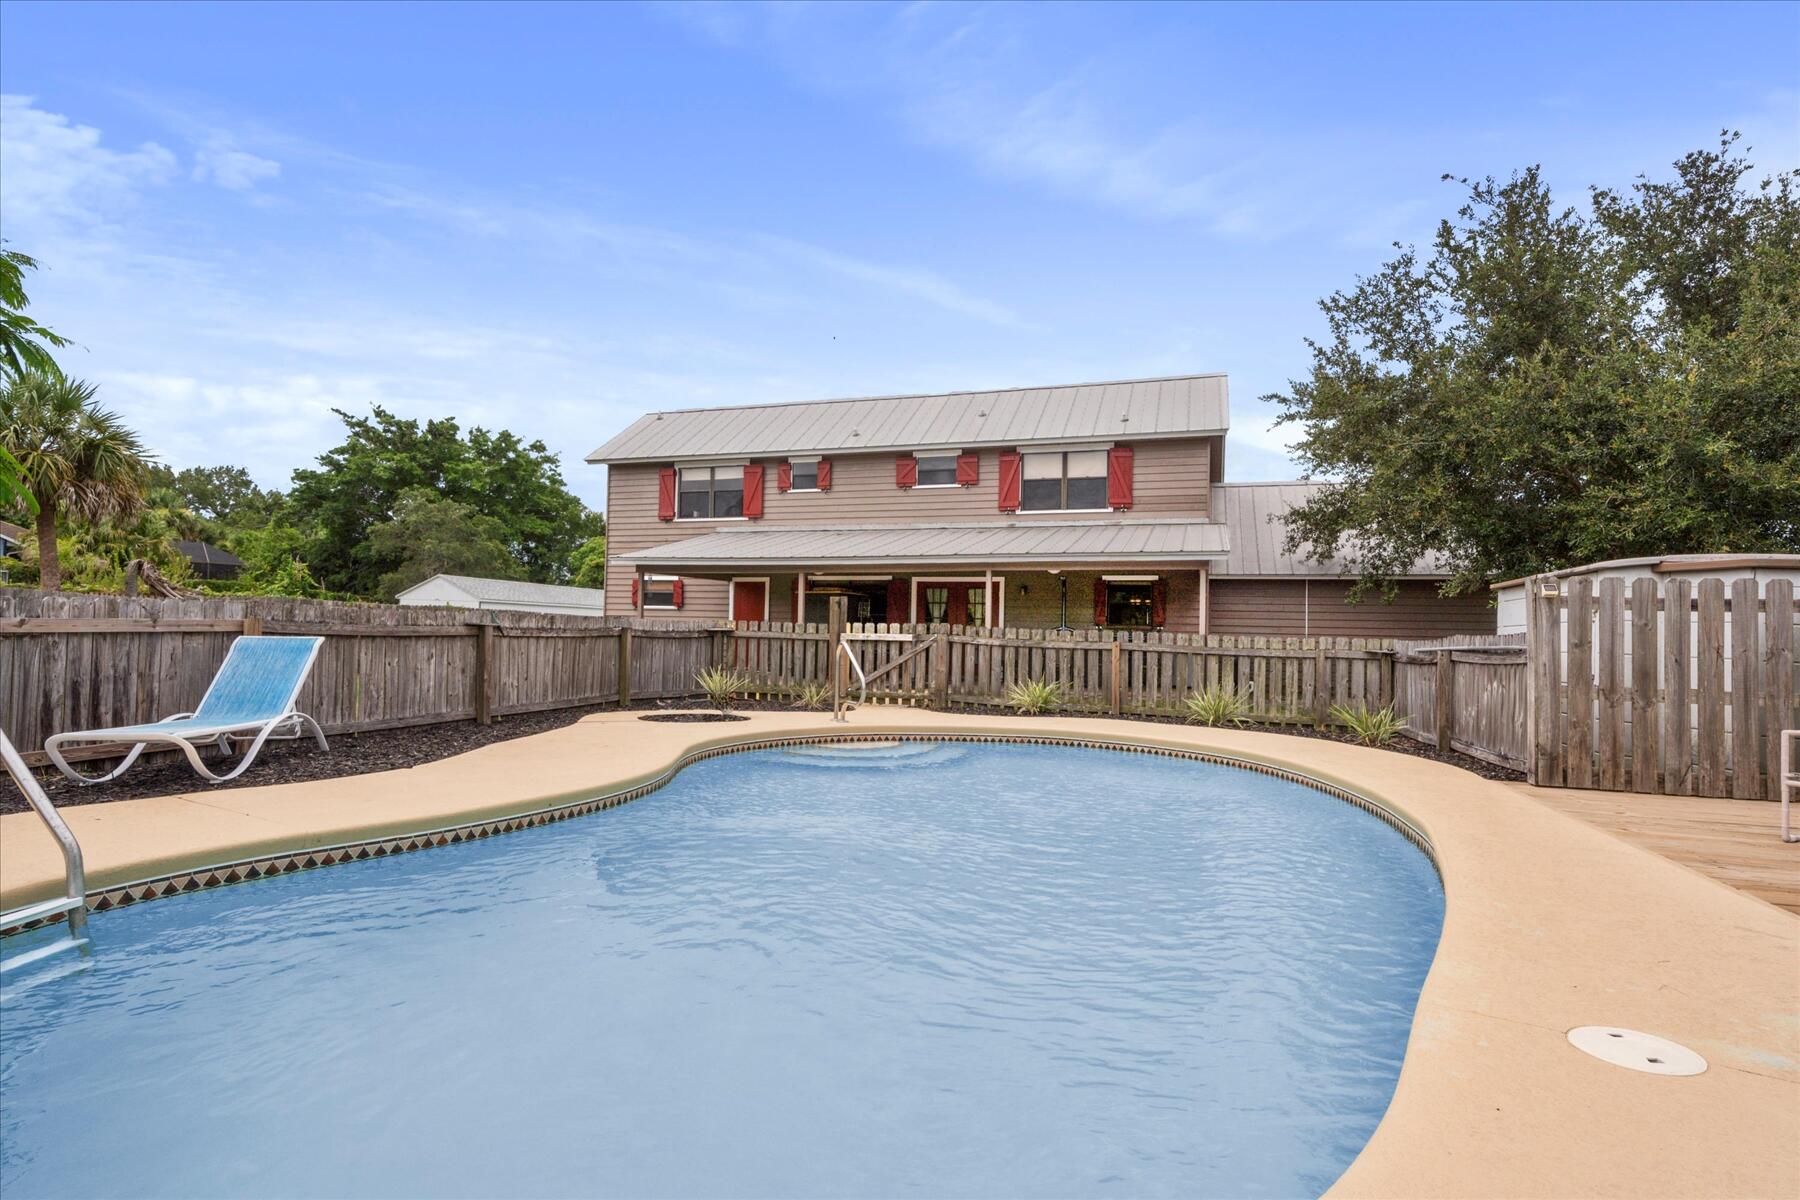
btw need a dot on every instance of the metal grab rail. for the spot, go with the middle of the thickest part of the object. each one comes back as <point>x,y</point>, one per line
<point>842,703</point>
<point>73,902</point>
<point>1790,779</point>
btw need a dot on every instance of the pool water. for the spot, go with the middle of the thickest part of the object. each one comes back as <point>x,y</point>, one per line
<point>938,970</point>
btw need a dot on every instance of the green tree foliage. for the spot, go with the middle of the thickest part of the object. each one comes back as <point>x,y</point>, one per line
<point>75,458</point>
<point>24,344</point>
<point>1547,388</point>
<point>358,485</point>
<point>588,563</point>
<point>430,535</point>
<point>225,495</point>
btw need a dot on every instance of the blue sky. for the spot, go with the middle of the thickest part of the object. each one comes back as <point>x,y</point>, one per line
<point>555,218</point>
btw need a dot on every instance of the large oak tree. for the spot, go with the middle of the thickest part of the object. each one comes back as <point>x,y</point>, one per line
<point>1547,387</point>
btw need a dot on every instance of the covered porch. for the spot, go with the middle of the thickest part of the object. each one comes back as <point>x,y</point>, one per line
<point>1124,574</point>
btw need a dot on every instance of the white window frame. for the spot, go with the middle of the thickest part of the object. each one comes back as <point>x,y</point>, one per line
<point>731,613</point>
<point>794,460</point>
<point>999,606</point>
<point>952,455</point>
<point>703,465</point>
<point>1027,452</point>
<point>644,582</point>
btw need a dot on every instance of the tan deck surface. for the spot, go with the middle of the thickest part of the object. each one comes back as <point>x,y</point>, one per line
<point>1549,923</point>
<point>1737,842</point>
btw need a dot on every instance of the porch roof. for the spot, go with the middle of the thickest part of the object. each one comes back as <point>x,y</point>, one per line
<point>984,543</point>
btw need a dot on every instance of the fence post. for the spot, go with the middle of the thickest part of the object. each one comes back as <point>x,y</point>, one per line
<point>1116,695</point>
<point>253,626</point>
<point>940,671</point>
<point>1446,690</point>
<point>484,658</point>
<point>1321,688</point>
<point>624,665</point>
<point>1543,655</point>
<point>837,618</point>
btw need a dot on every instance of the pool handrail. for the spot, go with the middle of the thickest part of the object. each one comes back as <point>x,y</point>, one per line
<point>73,901</point>
<point>862,680</point>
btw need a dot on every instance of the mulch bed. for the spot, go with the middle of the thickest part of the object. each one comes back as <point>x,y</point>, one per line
<point>394,749</point>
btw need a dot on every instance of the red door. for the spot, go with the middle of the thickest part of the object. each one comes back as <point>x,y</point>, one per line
<point>950,603</point>
<point>749,600</point>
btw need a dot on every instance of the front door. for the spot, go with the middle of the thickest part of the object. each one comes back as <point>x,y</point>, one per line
<point>749,599</point>
<point>952,603</point>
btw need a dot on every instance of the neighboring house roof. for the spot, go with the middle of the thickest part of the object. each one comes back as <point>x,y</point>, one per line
<point>519,591</point>
<point>207,554</point>
<point>1180,405</point>
<point>1253,512</point>
<point>12,533</point>
<point>974,543</point>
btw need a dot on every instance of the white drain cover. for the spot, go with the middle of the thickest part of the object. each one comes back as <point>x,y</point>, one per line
<point>1637,1051</point>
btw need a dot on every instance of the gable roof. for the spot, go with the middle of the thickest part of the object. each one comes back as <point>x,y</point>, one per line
<point>1253,512</point>
<point>1177,405</point>
<point>519,591</point>
<point>11,532</point>
<point>207,554</point>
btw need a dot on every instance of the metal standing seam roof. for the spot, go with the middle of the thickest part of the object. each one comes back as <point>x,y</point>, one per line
<point>984,542</point>
<point>1252,512</point>
<point>519,591</point>
<point>1128,408</point>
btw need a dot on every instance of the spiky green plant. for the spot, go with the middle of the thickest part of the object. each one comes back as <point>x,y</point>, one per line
<point>1034,695</point>
<point>720,686</point>
<point>1218,705</point>
<point>812,695</point>
<point>1371,726</point>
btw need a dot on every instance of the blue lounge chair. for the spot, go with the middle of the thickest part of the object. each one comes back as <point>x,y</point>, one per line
<point>250,699</point>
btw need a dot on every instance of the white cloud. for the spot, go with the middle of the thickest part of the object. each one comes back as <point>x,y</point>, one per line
<point>236,170</point>
<point>53,170</point>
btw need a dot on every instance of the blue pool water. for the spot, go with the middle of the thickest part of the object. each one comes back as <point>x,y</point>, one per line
<point>908,971</point>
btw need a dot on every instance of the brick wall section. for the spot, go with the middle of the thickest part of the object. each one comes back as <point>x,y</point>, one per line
<point>1274,607</point>
<point>1173,478</point>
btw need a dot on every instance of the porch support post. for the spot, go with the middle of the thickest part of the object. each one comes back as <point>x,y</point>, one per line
<point>991,605</point>
<point>800,598</point>
<point>1205,588</point>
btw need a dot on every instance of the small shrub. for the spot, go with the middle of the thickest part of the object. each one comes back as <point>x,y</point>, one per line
<point>1218,705</point>
<point>1371,726</point>
<point>720,686</point>
<point>1034,695</point>
<point>813,695</point>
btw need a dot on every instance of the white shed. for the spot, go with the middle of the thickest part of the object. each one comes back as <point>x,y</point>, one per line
<point>1510,595</point>
<point>514,595</point>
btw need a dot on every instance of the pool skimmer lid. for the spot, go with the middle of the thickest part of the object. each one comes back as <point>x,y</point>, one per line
<point>1636,1051</point>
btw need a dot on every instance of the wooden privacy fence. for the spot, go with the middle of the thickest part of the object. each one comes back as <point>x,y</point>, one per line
<point>1465,694</point>
<point>1683,689</point>
<point>1284,679</point>
<point>71,662</point>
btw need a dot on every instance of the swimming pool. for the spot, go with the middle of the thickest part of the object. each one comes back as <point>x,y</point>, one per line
<point>902,970</point>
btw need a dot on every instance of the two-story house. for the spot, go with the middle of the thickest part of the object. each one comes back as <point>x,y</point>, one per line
<point>1073,507</point>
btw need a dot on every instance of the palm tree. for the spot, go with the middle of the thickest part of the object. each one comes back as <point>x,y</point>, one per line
<point>73,456</point>
<point>24,344</point>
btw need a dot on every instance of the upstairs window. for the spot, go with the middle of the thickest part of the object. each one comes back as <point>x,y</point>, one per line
<point>937,470</point>
<point>711,493</point>
<point>804,475</point>
<point>1062,480</point>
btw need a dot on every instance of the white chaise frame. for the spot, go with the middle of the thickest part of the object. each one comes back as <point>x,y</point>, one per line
<point>290,722</point>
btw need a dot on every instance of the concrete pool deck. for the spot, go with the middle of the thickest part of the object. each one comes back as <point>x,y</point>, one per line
<point>1549,924</point>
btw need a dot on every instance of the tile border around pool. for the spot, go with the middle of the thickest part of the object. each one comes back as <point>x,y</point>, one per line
<point>180,883</point>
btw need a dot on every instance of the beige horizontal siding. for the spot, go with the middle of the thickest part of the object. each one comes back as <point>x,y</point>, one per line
<point>1280,607</point>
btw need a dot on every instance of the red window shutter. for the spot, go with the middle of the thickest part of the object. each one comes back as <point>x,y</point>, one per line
<point>1118,477</point>
<point>968,470</point>
<point>784,477</point>
<point>906,471</point>
<point>1159,603</point>
<point>665,494</point>
<point>753,490</point>
<point>634,594</point>
<point>1011,474</point>
<point>1100,602</point>
<point>824,474</point>
<point>679,589</point>
<point>896,600</point>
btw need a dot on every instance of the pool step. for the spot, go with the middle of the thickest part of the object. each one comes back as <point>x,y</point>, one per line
<point>875,754</point>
